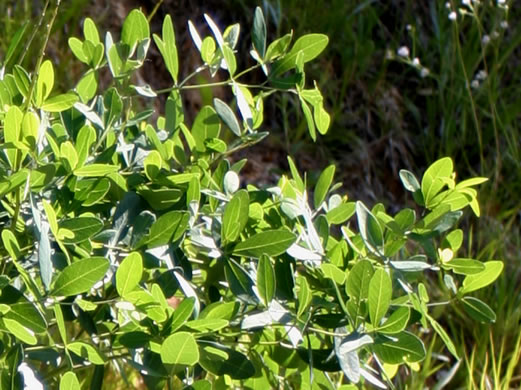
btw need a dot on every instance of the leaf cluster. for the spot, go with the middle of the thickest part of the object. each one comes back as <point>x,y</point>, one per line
<point>129,243</point>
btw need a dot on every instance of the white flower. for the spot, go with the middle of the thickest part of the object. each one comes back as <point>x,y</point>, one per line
<point>424,72</point>
<point>501,2</point>
<point>482,75</point>
<point>403,51</point>
<point>453,16</point>
<point>504,24</point>
<point>485,40</point>
<point>466,2</point>
<point>475,84</point>
<point>416,61</point>
<point>495,35</point>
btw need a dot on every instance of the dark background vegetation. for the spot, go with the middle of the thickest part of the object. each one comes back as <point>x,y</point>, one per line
<point>385,115</point>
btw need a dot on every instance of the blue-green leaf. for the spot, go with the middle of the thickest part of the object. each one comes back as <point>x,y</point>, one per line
<point>259,32</point>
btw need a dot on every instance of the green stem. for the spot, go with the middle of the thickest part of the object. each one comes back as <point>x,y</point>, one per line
<point>41,55</point>
<point>35,31</point>
<point>469,92</point>
<point>152,14</point>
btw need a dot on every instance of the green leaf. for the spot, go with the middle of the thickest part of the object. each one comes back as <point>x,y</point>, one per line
<point>471,182</point>
<point>208,51</point>
<point>87,86</point>
<point>11,244</point>
<point>259,32</point>
<point>136,339</point>
<point>69,381</point>
<point>180,348</point>
<point>444,336</point>
<point>76,47</point>
<point>380,292</point>
<point>357,286</point>
<point>221,360</point>
<point>83,228</point>
<point>402,346</point>
<point>229,58</point>
<point>182,313</point>
<point>433,179</point>
<point>84,141</point>
<point>235,216</point>
<point>86,351</point>
<point>474,282</point>
<point>370,228</point>
<point>22,310</point>
<point>270,243</point>
<point>80,276</point>
<point>94,52</point>
<point>206,125</point>
<point>296,176</point>
<point>30,126</point>
<point>309,119</point>
<point>51,217</point>
<point>396,322</point>
<point>113,107</point>
<point>152,164</point>
<point>115,61</point>
<point>19,331</point>
<point>323,184</point>
<point>227,116</point>
<point>322,119</point>
<point>311,46</point>
<point>465,266</point>
<point>135,28</point>
<point>95,170</point>
<point>207,324</point>
<point>341,213</point>
<point>90,31</point>
<point>13,132</point>
<point>129,273</point>
<point>304,295</point>
<point>60,103</point>
<point>69,156</point>
<point>60,321</point>
<point>94,192</point>
<point>220,310</point>
<point>22,80</point>
<point>45,82</point>
<point>278,47</point>
<point>239,280</point>
<point>167,47</point>
<point>266,279</point>
<point>478,310</point>
<point>161,199</point>
<point>334,273</point>
<point>166,229</point>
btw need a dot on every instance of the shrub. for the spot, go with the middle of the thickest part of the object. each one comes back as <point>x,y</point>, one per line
<point>129,245</point>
